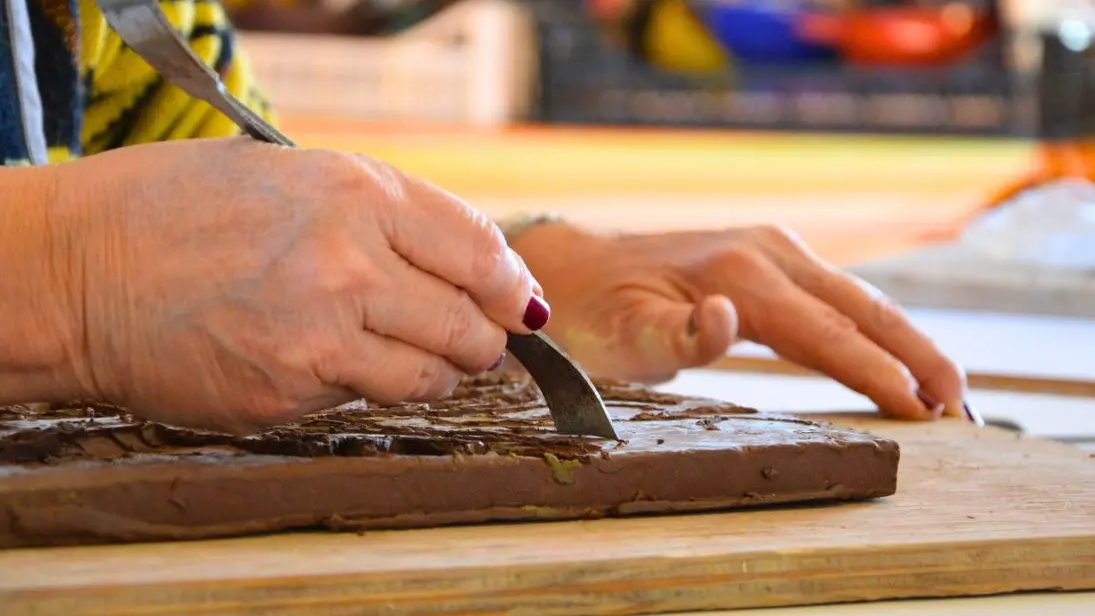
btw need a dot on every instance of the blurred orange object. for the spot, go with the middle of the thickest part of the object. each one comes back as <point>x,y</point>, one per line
<point>1055,160</point>
<point>902,35</point>
<point>608,10</point>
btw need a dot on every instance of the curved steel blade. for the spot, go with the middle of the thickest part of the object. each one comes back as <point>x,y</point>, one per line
<point>575,404</point>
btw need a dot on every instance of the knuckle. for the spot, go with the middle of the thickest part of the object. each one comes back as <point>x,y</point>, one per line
<point>813,278</point>
<point>459,324</point>
<point>887,313</point>
<point>835,328</point>
<point>945,371</point>
<point>341,268</point>
<point>742,262</point>
<point>407,386</point>
<point>331,362</point>
<point>366,278</point>
<point>335,167</point>
<point>425,379</point>
<point>383,178</point>
<point>491,254</point>
<point>270,410</point>
<point>776,236</point>
<point>346,175</point>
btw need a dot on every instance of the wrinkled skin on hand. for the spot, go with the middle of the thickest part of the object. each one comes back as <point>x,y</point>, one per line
<point>643,307</point>
<point>230,284</point>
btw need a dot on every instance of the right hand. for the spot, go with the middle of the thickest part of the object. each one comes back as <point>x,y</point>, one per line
<point>230,284</point>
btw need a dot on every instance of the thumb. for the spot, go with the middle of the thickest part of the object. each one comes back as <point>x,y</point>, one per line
<point>710,329</point>
<point>669,335</point>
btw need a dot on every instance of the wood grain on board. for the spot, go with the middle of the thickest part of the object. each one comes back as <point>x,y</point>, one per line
<point>977,512</point>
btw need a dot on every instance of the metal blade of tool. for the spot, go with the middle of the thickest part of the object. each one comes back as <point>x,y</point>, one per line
<point>575,405</point>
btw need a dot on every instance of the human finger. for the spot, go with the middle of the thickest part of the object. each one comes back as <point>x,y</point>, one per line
<point>774,311</point>
<point>388,371</point>
<point>884,322</point>
<point>876,316</point>
<point>659,336</point>
<point>441,234</point>
<point>807,331</point>
<point>437,317</point>
<point>537,290</point>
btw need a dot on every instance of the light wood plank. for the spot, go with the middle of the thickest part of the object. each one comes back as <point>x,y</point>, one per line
<point>977,380</point>
<point>1059,604</point>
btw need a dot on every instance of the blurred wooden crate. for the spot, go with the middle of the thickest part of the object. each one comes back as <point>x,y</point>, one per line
<point>473,63</point>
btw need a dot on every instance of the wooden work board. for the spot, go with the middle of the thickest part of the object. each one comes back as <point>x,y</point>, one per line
<point>978,511</point>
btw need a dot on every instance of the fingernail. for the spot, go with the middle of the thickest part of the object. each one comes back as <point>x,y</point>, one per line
<point>536,314</point>
<point>973,415</point>
<point>936,407</point>
<point>498,364</point>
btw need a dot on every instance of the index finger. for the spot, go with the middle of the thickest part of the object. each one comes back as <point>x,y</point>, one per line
<point>777,312</point>
<point>443,235</point>
<point>814,334</point>
<point>883,321</point>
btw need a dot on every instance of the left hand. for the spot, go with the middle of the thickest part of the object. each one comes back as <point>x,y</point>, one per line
<point>642,307</point>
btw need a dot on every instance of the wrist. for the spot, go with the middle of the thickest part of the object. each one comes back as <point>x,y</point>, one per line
<point>532,237</point>
<point>40,330</point>
<point>539,239</point>
<point>527,231</point>
<point>563,257</point>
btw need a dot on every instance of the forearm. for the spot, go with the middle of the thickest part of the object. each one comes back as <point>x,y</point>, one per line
<point>36,340</point>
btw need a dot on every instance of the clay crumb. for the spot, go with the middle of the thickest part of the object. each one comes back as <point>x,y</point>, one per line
<point>562,471</point>
<point>769,472</point>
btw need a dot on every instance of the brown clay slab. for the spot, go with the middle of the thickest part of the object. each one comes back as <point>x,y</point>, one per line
<point>92,474</point>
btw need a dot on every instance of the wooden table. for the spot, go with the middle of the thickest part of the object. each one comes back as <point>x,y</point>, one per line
<point>977,512</point>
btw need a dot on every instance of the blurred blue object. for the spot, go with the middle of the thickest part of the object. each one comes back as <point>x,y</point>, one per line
<point>762,31</point>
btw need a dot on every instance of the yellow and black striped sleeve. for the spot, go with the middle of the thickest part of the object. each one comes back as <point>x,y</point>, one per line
<point>128,103</point>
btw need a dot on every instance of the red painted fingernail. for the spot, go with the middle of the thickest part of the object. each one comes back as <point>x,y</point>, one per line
<point>536,314</point>
<point>498,364</point>
<point>936,407</point>
<point>973,415</point>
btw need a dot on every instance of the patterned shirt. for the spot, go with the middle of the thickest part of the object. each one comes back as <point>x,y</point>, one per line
<point>70,87</point>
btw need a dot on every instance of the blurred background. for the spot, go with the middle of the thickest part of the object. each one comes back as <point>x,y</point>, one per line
<point>873,128</point>
<point>889,121</point>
